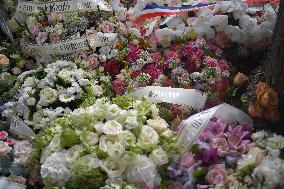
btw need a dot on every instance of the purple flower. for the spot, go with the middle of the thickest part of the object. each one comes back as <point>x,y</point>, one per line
<point>209,157</point>
<point>237,137</point>
<point>174,171</point>
<point>232,159</point>
<point>215,128</point>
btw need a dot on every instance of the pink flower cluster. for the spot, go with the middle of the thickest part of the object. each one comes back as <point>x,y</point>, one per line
<point>217,149</point>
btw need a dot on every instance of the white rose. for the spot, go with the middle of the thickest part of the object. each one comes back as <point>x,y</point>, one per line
<point>92,138</point>
<point>116,150</point>
<point>142,170</point>
<point>158,124</point>
<point>159,157</point>
<point>114,167</point>
<point>72,154</point>
<point>112,128</point>
<point>127,137</point>
<point>4,148</point>
<point>148,136</point>
<point>48,96</point>
<point>107,141</point>
<point>99,127</point>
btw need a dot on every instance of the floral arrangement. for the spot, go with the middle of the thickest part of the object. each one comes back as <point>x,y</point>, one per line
<point>228,23</point>
<point>53,91</point>
<point>13,156</point>
<point>106,145</point>
<point>213,157</point>
<point>263,166</point>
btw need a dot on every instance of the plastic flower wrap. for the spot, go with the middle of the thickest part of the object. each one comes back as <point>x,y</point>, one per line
<point>106,145</point>
<point>13,157</point>
<point>53,91</point>
<point>213,157</point>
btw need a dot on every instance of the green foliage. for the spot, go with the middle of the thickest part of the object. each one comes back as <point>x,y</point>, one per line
<point>34,158</point>
<point>43,138</point>
<point>82,121</point>
<point>7,83</point>
<point>85,177</point>
<point>101,154</point>
<point>199,173</point>
<point>122,101</point>
<point>68,138</point>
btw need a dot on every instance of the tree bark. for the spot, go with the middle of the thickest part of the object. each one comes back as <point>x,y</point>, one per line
<point>274,65</point>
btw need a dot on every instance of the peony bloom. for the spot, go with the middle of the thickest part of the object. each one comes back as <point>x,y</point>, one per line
<point>217,174</point>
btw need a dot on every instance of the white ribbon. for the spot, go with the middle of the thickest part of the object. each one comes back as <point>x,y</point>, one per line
<point>66,47</point>
<point>63,6</point>
<point>194,125</point>
<point>19,127</point>
<point>190,97</point>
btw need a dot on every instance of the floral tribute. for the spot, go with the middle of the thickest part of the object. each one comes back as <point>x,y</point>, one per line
<point>213,157</point>
<point>105,145</point>
<point>46,93</point>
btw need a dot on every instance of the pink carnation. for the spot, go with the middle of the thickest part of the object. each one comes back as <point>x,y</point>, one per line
<point>155,57</point>
<point>10,141</point>
<point>112,67</point>
<point>153,71</point>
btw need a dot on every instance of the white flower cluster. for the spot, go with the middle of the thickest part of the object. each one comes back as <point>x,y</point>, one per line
<point>269,167</point>
<point>54,170</point>
<point>113,132</point>
<point>249,28</point>
<point>44,94</point>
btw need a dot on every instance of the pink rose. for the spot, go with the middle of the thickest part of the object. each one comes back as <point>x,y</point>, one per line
<point>93,61</point>
<point>221,145</point>
<point>3,134</point>
<point>187,160</point>
<point>217,174</point>
<point>107,27</point>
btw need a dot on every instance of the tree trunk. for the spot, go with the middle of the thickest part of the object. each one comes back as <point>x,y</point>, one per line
<point>274,65</point>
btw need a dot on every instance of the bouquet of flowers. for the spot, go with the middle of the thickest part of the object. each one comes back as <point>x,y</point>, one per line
<point>263,166</point>
<point>13,157</point>
<point>53,91</point>
<point>122,144</point>
<point>229,23</point>
<point>213,157</point>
